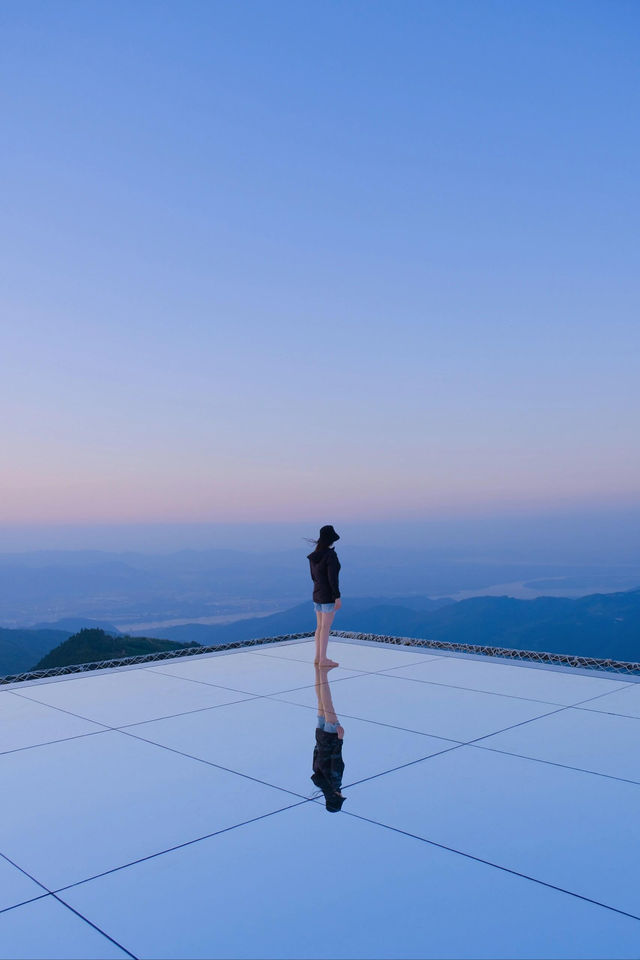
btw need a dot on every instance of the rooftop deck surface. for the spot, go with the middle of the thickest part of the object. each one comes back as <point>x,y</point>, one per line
<point>167,811</point>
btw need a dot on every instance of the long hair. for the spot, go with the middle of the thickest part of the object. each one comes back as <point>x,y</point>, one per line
<point>319,545</point>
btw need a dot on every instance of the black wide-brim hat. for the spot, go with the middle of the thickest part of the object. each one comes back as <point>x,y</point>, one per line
<point>328,533</point>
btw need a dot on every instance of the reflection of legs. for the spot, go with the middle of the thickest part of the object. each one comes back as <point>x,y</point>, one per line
<point>326,619</point>
<point>318,633</point>
<point>319,696</point>
<point>325,701</point>
<point>326,711</point>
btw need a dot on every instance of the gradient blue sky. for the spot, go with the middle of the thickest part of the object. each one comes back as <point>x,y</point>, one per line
<point>282,260</point>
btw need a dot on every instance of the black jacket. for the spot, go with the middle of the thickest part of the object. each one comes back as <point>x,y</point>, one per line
<point>325,568</point>
<point>328,768</point>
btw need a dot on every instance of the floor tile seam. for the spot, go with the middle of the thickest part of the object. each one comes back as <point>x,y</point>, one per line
<point>542,716</point>
<point>252,693</point>
<point>203,683</point>
<point>475,744</point>
<point>623,684</point>
<point>455,745</point>
<point>109,728</point>
<point>29,876</point>
<point>599,696</point>
<point>69,713</point>
<point>275,698</point>
<point>274,656</point>
<point>48,743</point>
<point>188,713</point>
<point>24,903</point>
<point>514,726</point>
<point>384,673</point>
<point>210,763</point>
<point>178,846</point>
<point>496,866</point>
<point>403,766</point>
<point>457,686</point>
<point>438,736</point>
<point>123,728</point>
<point>595,673</point>
<point>418,663</point>
<point>608,713</point>
<point>351,716</point>
<point>555,763</point>
<point>108,936</point>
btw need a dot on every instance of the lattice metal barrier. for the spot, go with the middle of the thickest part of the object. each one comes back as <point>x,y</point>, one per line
<point>536,656</point>
<point>147,658</point>
<point>539,656</point>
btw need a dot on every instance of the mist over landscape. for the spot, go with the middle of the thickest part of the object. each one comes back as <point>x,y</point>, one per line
<point>397,579</point>
<point>262,568</point>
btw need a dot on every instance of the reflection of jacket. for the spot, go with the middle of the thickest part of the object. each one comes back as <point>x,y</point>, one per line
<point>324,567</point>
<point>328,767</point>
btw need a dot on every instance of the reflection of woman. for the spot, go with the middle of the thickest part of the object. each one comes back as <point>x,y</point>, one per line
<point>325,567</point>
<point>328,765</point>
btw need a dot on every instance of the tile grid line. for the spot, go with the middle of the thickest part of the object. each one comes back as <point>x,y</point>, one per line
<point>475,741</point>
<point>248,696</point>
<point>497,866</point>
<point>307,800</point>
<point>623,680</point>
<point>52,893</point>
<point>384,673</point>
<point>388,672</point>
<point>57,894</point>
<point>125,732</point>
<point>216,766</point>
<point>617,666</point>
<point>556,763</point>
<point>492,693</point>
<point>180,846</point>
<point>300,800</point>
<point>207,683</point>
<point>110,727</point>
<point>278,698</point>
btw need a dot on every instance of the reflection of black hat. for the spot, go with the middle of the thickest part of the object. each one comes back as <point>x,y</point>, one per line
<point>334,803</point>
<point>328,534</point>
<point>333,800</point>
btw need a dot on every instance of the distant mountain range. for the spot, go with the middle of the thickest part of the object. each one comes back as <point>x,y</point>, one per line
<point>385,614</point>
<point>21,649</point>
<point>598,625</point>
<point>135,588</point>
<point>73,624</point>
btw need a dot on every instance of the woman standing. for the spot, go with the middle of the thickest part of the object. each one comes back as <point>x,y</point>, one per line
<point>325,567</point>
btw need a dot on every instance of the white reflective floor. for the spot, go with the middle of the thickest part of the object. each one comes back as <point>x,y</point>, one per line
<point>167,811</point>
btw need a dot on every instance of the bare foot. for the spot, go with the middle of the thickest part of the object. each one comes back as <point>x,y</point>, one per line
<point>328,664</point>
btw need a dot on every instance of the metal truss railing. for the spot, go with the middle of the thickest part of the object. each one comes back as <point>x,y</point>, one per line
<point>536,656</point>
<point>147,658</point>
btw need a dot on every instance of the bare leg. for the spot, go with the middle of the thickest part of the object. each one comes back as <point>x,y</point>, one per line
<point>325,629</point>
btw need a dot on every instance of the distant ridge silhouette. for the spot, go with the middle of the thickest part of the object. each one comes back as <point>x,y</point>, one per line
<point>599,625</point>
